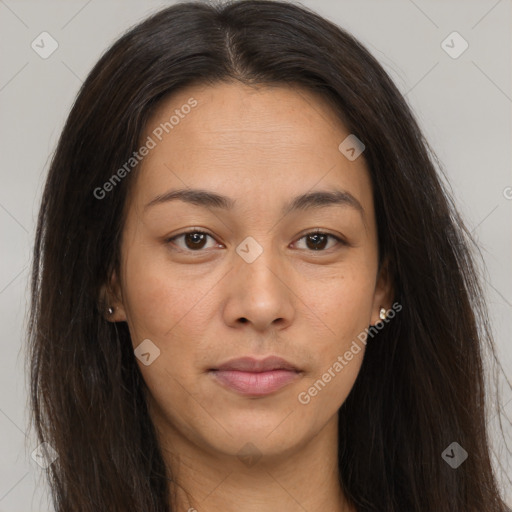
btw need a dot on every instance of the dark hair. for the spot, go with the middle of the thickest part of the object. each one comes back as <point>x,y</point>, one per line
<point>421,384</point>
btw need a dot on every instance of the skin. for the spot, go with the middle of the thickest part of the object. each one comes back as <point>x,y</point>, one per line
<point>260,146</point>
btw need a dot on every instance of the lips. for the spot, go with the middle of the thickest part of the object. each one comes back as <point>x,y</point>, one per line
<point>252,377</point>
<point>250,364</point>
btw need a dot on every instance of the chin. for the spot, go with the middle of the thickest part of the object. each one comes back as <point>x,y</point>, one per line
<point>269,436</point>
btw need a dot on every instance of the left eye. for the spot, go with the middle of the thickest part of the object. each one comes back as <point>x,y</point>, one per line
<point>318,240</point>
<point>196,240</point>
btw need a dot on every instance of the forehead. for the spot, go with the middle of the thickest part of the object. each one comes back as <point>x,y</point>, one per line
<point>232,116</point>
<point>239,140</point>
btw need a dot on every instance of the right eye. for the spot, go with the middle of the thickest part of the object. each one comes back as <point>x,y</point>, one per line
<point>193,239</point>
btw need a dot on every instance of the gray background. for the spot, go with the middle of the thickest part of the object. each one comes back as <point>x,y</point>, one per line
<point>462,104</point>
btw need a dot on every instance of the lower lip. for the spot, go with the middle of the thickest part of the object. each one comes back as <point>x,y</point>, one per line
<point>255,384</point>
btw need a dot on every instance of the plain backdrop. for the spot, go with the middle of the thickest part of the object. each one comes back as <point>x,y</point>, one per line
<point>463,104</point>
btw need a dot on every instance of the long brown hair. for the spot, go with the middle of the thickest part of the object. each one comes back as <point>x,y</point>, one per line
<point>421,384</point>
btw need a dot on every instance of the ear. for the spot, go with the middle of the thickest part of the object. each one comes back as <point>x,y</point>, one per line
<point>111,297</point>
<point>384,292</point>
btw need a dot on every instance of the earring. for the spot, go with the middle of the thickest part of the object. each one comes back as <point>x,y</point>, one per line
<point>382,314</point>
<point>110,310</point>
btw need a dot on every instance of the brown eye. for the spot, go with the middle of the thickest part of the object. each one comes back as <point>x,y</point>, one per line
<point>317,240</point>
<point>193,240</point>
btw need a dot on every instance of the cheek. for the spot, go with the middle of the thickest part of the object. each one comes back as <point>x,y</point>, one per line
<point>344,310</point>
<point>324,393</point>
<point>173,309</point>
<point>152,307</point>
<point>162,307</point>
<point>159,301</point>
<point>341,303</point>
<point>340,309</point>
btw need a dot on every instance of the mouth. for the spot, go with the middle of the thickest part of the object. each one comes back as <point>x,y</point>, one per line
<point>252,377</point>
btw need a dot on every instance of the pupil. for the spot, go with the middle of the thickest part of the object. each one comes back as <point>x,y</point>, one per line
<point>196,239</point>
<point>316,237</point>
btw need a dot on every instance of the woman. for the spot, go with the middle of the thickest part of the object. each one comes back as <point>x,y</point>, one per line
<point>250,288</point>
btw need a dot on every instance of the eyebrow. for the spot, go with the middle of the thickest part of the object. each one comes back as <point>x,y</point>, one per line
<point>309,200</point>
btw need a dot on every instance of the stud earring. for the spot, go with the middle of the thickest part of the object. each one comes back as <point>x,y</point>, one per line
<point>382,314</point>
<point>110,310</point>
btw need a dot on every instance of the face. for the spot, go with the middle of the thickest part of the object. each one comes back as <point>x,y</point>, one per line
<point>247,270</point>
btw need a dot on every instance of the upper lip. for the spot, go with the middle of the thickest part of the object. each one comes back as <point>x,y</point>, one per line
<point>250,364</point>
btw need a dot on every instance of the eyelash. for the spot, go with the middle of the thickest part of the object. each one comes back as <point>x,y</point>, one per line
<point>199,232</point>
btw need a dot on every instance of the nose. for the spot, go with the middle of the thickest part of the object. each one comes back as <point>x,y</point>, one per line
<point>259,293</point>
